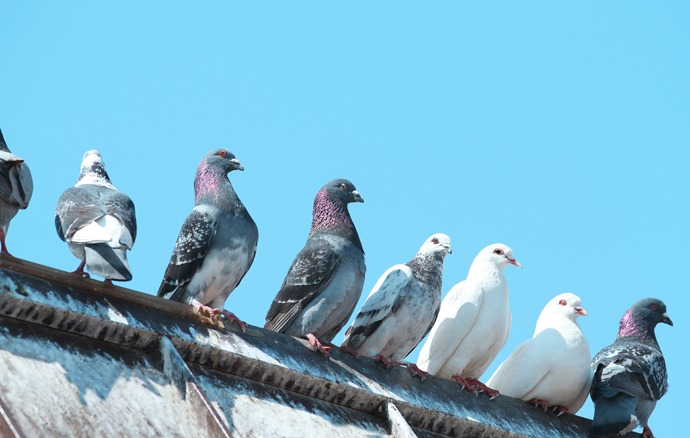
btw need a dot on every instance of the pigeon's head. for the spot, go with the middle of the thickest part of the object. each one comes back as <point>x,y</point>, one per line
<point>499,255</point>
<point>567,305</point>
<point>438,243</point>
<point>223,159</point>
<point>342,190</point>
<point>653,310</point>
<point>93,170</point>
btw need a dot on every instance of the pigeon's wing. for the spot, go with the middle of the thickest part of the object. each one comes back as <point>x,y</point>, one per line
<point>458,314</point>
<point>522,371</point>
<point>634,368</point>
<point>77,208</point>
<point>384,300</point>
<point>308,276</point>
<point>193,243</point>
<point>119,205</point>
<point>16,184</point>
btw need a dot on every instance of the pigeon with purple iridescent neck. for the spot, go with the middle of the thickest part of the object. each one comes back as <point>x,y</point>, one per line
<point>325,280</point>
<point>402,307</point>
<point>217,243</point>
<point>16,188</point>
<point>630,374</point>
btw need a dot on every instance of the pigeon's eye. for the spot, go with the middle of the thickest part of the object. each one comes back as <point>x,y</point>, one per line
<point>498,251</point>
<point>435,240</point>
<point>221,154</point>
<point>343,186</point>
<point>654,307</point>
<point>562,303</point>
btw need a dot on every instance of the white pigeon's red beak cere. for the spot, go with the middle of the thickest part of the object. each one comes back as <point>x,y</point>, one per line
<point>581,311</point>
<point>514,262</point>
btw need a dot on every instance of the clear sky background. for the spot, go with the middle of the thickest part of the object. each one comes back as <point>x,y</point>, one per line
<point>561,130</point>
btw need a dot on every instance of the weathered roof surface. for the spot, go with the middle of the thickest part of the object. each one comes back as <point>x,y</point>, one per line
<point>79,358</point>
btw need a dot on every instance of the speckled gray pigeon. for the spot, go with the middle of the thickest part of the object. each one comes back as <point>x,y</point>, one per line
<point>217,243</point>
<point>16,188</point>
<point>97,221</point>
<point>325,280</point>
<point>630,374</point>
<point>402,307</point>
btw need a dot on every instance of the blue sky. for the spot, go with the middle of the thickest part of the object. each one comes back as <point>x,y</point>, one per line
<point>561,130</point>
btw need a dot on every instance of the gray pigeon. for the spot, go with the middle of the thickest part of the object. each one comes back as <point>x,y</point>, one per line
<point>630,374</point>
<point>97,222</point>
<point>402,307</point>
<point>217,243</point>
<point>16,187</point>
<point>325,280</point>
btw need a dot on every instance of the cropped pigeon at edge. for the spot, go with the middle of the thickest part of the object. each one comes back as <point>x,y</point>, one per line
<point>630,374</point>
<point>325,280</point>
<point>217,243</point>
<point>97,221</point>
<point>16,188</point>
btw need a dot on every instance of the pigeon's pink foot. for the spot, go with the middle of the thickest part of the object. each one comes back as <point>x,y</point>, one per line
<point>3,250</point>
<point>464,384</point>
<point>317,345</point>
<point>561,410</point>
<point>231,317</point>
<point>207,311</point>
<point>108,281</point>
<point>492,393</point>
<point>414,369</point>
<point>80,270</point>
<point>344,348</point>
<point>379,358</point>
<point>538,403</point>
<point>647,432</point>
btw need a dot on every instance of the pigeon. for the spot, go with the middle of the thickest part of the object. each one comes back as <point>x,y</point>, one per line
<point>16,187</point>
<point>97,221</point>
<point>473,323</point>
<point>402,307</point>
<point>324,282</point>
<point>630,374</point>
<point>216,245</point>
<point>552,368</point>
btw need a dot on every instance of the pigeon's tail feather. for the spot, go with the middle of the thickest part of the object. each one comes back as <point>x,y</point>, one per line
<point>108,262</point>
<point>614,415</point>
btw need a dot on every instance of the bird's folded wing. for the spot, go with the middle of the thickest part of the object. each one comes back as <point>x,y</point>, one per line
<point>120,205</point>
<point>385,299</point>
<point>192,245</point>
<point>522,370</point>
<point>308,276</point>
<point>458,314</point>
<point>638,371</point>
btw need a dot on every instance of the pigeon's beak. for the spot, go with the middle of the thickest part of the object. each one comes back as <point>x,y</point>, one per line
<point>667,320</point>
<point>450,251</point>
<point>581,311</point>
<point>237,164</point>
<point>358,198</point>
<point>512,261</point>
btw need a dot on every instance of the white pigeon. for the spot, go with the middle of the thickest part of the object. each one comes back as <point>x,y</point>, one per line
<point>473,323</point>
<point>402,307</point>
<point>552,368</point>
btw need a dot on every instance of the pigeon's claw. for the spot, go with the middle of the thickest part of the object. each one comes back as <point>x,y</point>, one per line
<point>561,410</point>
<point>80,270</point>
<point>231,317</point>
<point>317,345</point>
<point>538,403</point>
<point>492,393</point>
<point>464,384</point>
<point>647,432</point>
<point>386,362</point>
<point>416,371</point>
<point>206,311</point>
<point>344,348</point>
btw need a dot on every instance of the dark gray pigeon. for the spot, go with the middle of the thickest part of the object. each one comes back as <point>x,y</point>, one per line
<point>402,307</point>
<point>16,187</point>
<point>630,374</point>
<point>217,243</point>
<point>97,222</point>
<point>325,280</point>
